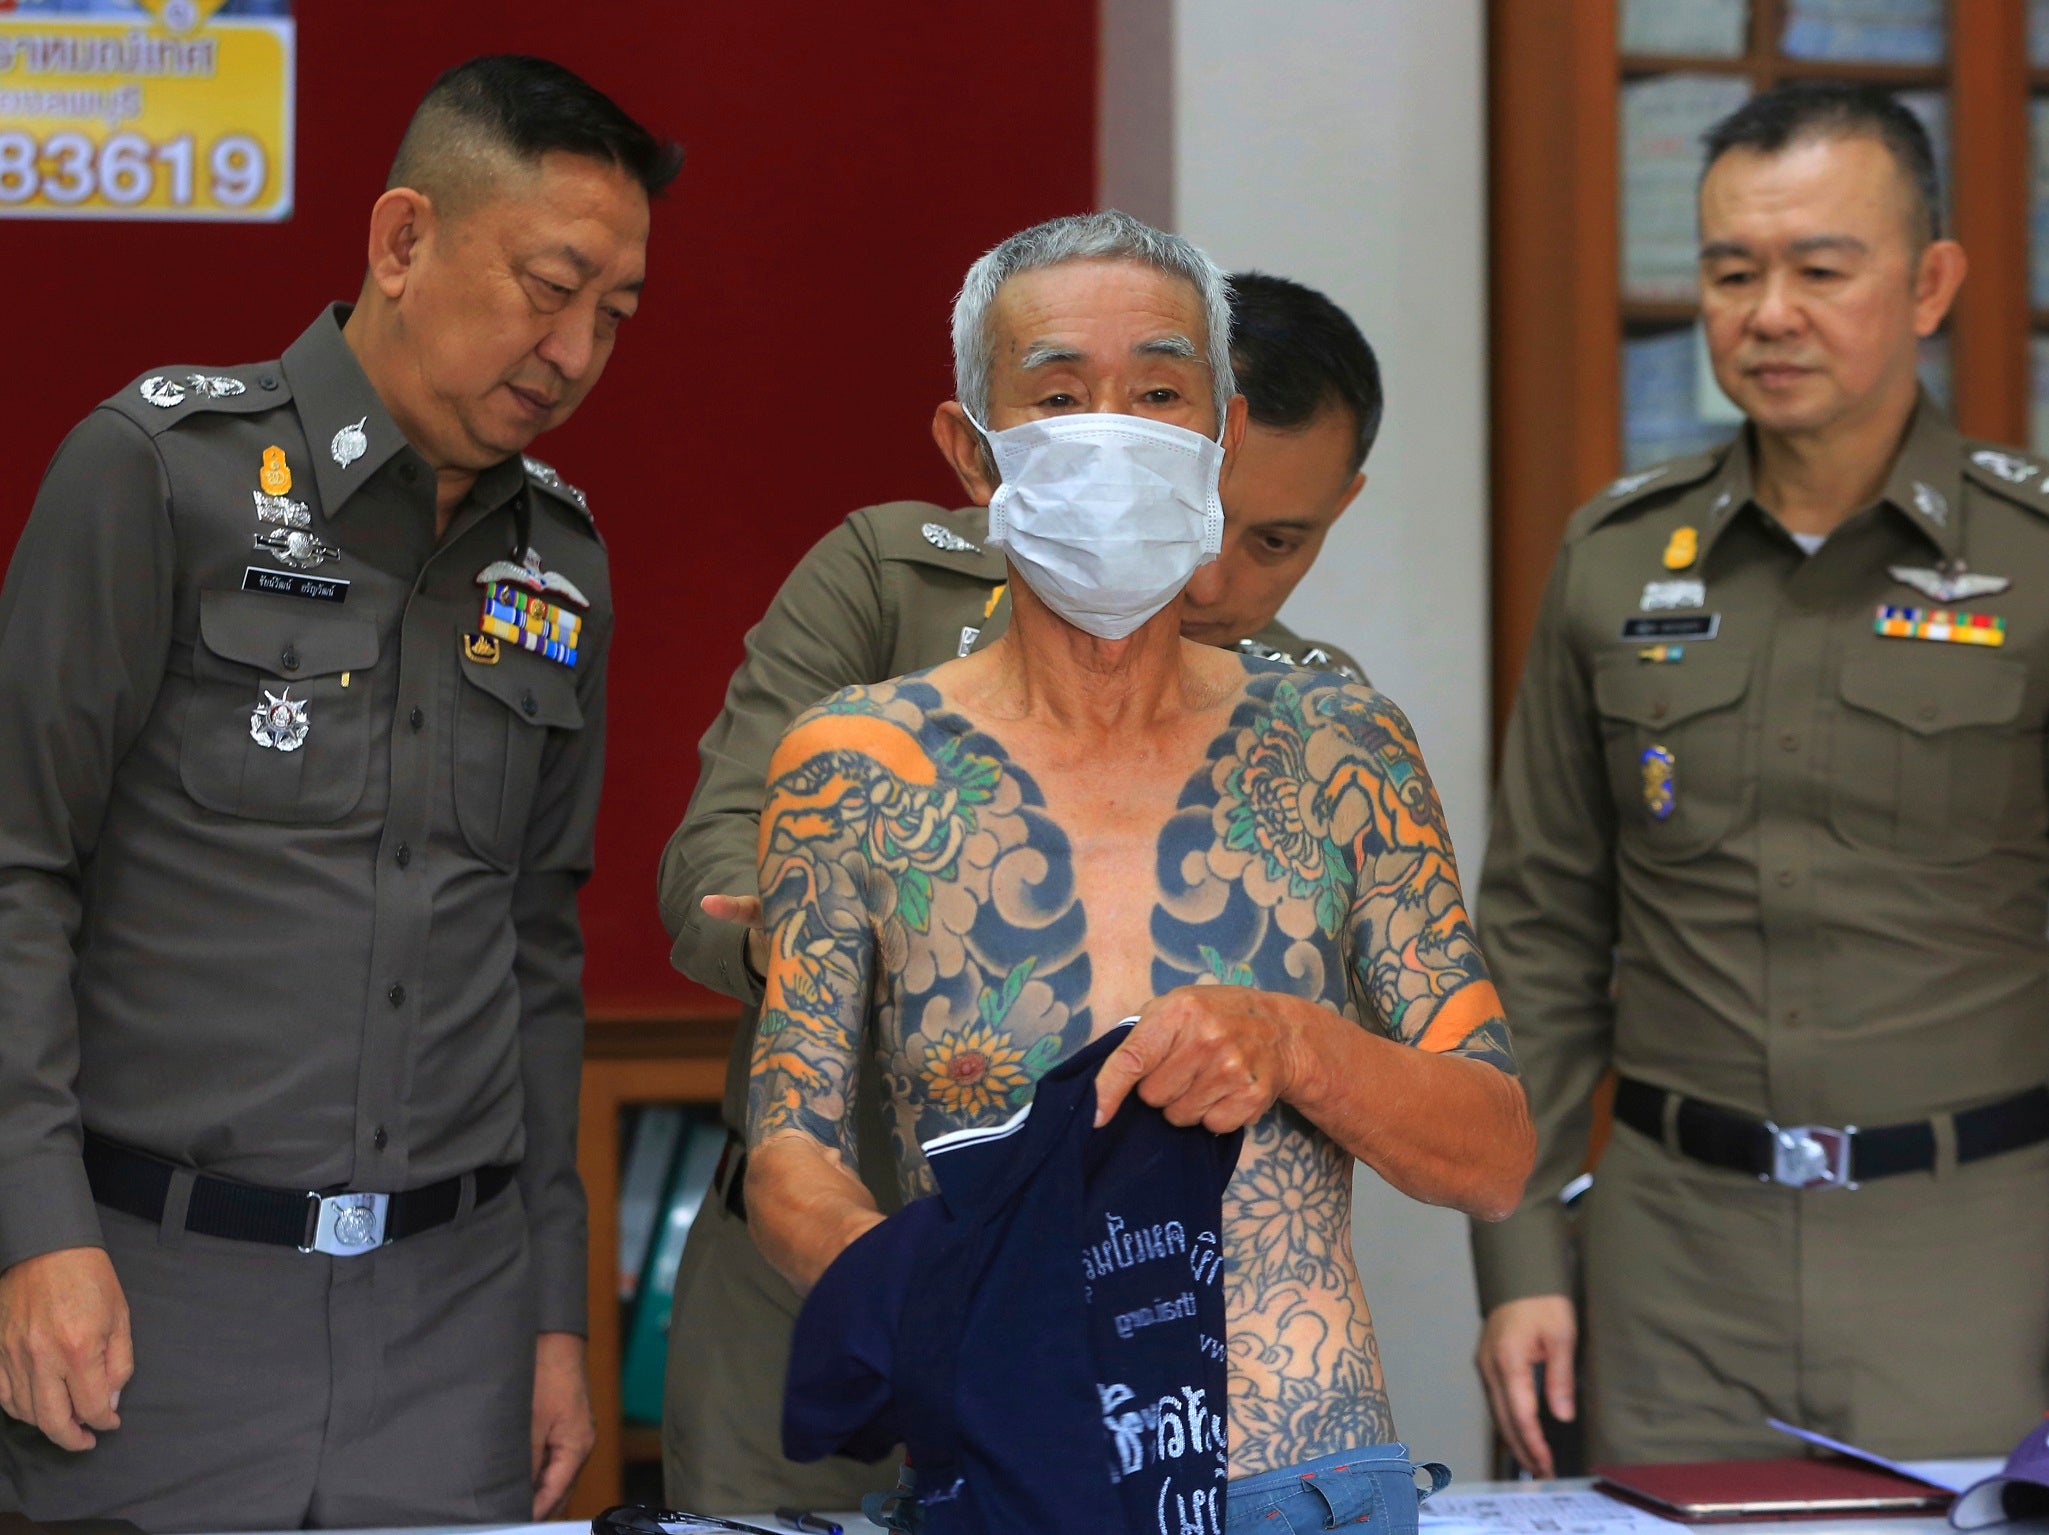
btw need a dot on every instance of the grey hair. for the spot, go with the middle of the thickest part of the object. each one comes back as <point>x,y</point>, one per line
<point>1106,236</point>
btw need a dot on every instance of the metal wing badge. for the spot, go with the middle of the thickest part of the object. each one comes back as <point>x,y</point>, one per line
<point>529,574</point>
<point>1951,583</point>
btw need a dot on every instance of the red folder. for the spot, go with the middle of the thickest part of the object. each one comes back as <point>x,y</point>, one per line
<point>1792,1487</point>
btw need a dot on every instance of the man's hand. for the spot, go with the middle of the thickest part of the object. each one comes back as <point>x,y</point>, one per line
<point>1520,1335</point>
<point>745,910</point>
<point>1214,1055</point>
<point>564,1429</point>
<point>64,1347</point>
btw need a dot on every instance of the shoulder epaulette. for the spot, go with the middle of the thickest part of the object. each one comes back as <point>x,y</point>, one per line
<point>921,533</point>
<point>545,476</point>
<point>2018,477</point>
<point>167,396</point>
<point>1642,485</point>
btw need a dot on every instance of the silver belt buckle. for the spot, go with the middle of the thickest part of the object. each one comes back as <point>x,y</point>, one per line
<point>1811,1156</point>
<point>345,1225</point>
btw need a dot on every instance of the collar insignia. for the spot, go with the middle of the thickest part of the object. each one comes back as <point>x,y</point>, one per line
<point>2015,471</point>
<point>1929,503</point>
<point>940,536</point>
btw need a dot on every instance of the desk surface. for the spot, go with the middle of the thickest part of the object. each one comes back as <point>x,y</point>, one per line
<point>1565,1507</point>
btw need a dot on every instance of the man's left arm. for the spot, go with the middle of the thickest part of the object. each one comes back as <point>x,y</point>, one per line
<point>1432,1104</point>
<point>548,966</point>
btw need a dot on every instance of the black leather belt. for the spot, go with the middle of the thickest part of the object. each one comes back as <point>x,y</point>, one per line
<point>340,1224</point>
<point>1824,1156</point>
<point>729,1178</point>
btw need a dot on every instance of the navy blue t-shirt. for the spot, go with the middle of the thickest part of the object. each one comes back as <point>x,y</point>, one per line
<point>1045,1335</point>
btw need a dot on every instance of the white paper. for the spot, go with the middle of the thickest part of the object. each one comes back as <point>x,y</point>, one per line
<point>1540,1511</point>
<point>1950,1475</point>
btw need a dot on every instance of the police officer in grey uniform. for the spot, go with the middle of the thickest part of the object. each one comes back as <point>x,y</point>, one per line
<point>303,669</point>
<point>1776,770</point>
<point>897,588</point>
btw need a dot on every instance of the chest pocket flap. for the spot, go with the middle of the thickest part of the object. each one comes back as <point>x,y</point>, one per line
<point>1929,688</point>
<point>255,652</point>
<point>1658,696</point>
<point>539,692</point>
<point>285,639</point>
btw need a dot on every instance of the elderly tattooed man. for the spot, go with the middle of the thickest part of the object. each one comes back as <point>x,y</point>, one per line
<point>974,870</point>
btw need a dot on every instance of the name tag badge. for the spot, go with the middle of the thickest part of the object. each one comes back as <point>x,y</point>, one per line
<point>283,583</point>
<point>1686,626</point>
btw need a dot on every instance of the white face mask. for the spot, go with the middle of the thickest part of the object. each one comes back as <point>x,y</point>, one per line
<point>1106,516</point>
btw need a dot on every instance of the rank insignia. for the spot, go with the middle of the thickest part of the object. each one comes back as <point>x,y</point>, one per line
<point>939,536</point>
<point>1949,583</point>
<point>296,547</point>
<point>161,392</point>
<point>1682,549</point>
<point>1929,502</point>
<point>279,722</point>
<point>2015,471</point>
<point>1941,625</point>
<point>350,443</point>
<point>1635,482</point>
<point>1661,596</point>
<point>968,635</point>
<point>480,648</point>
<point>211,386</point>
<point>1662,655</point>
<point>276,475</point>
<point>1660,772</point>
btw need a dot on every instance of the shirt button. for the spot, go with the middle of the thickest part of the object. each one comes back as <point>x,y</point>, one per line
<point>288,658</point>
<point>1927,711</point>
<point>268,381</point>
<point>1785,876</point>
<point>1792,1017</point>
<point>1658,710</point>
<point>404,854</point>
<point>529,705</point>
<point>396,996</point>
<point>380,1140</point>
<point>408,471</point>
<point>417,718</point>
<point>1789,742</point>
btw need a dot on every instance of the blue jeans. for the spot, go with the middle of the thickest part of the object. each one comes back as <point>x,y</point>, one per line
<point>1373,1485</point>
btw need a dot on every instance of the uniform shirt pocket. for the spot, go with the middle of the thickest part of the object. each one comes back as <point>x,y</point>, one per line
<point>277,727</point>
<point>1679,728</point>
<point>1927,749</point>
<point>504,712</point>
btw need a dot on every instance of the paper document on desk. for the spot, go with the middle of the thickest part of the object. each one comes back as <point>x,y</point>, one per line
<point>1950,1475</point>
<point>1576,1511</point>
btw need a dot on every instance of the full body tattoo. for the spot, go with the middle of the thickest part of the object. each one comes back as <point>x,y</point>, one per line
<point>912,876</point>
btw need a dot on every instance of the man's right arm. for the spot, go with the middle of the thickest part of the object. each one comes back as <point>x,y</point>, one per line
<point>85,624</point>
<point>805,1200</point>
<point>828,628</point>
<point>1546,917</point>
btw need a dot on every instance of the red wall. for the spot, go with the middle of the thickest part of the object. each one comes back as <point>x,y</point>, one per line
<point>843,172</point>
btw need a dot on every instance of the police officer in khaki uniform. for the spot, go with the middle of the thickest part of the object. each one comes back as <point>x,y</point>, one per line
<point>303,669</point>
<point>894,589</point>
<point>1776,778</point>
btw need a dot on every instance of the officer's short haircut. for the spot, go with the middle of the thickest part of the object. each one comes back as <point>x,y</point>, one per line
<point>1812,109</point>
<point>1105,236</point>
<point>513,107</point>
<point>1297,354</point>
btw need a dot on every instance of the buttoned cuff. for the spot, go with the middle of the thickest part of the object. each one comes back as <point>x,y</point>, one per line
<point>46,1206</point>
<point>1530,1253</point>
<point>714,954</point>
<point>560,1278</point>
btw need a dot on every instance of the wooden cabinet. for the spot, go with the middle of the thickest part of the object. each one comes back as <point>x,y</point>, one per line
<point>629,1061</point>
<point>1558,313</point>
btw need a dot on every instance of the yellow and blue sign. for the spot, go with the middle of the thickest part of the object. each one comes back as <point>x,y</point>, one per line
<point>146,109</point>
